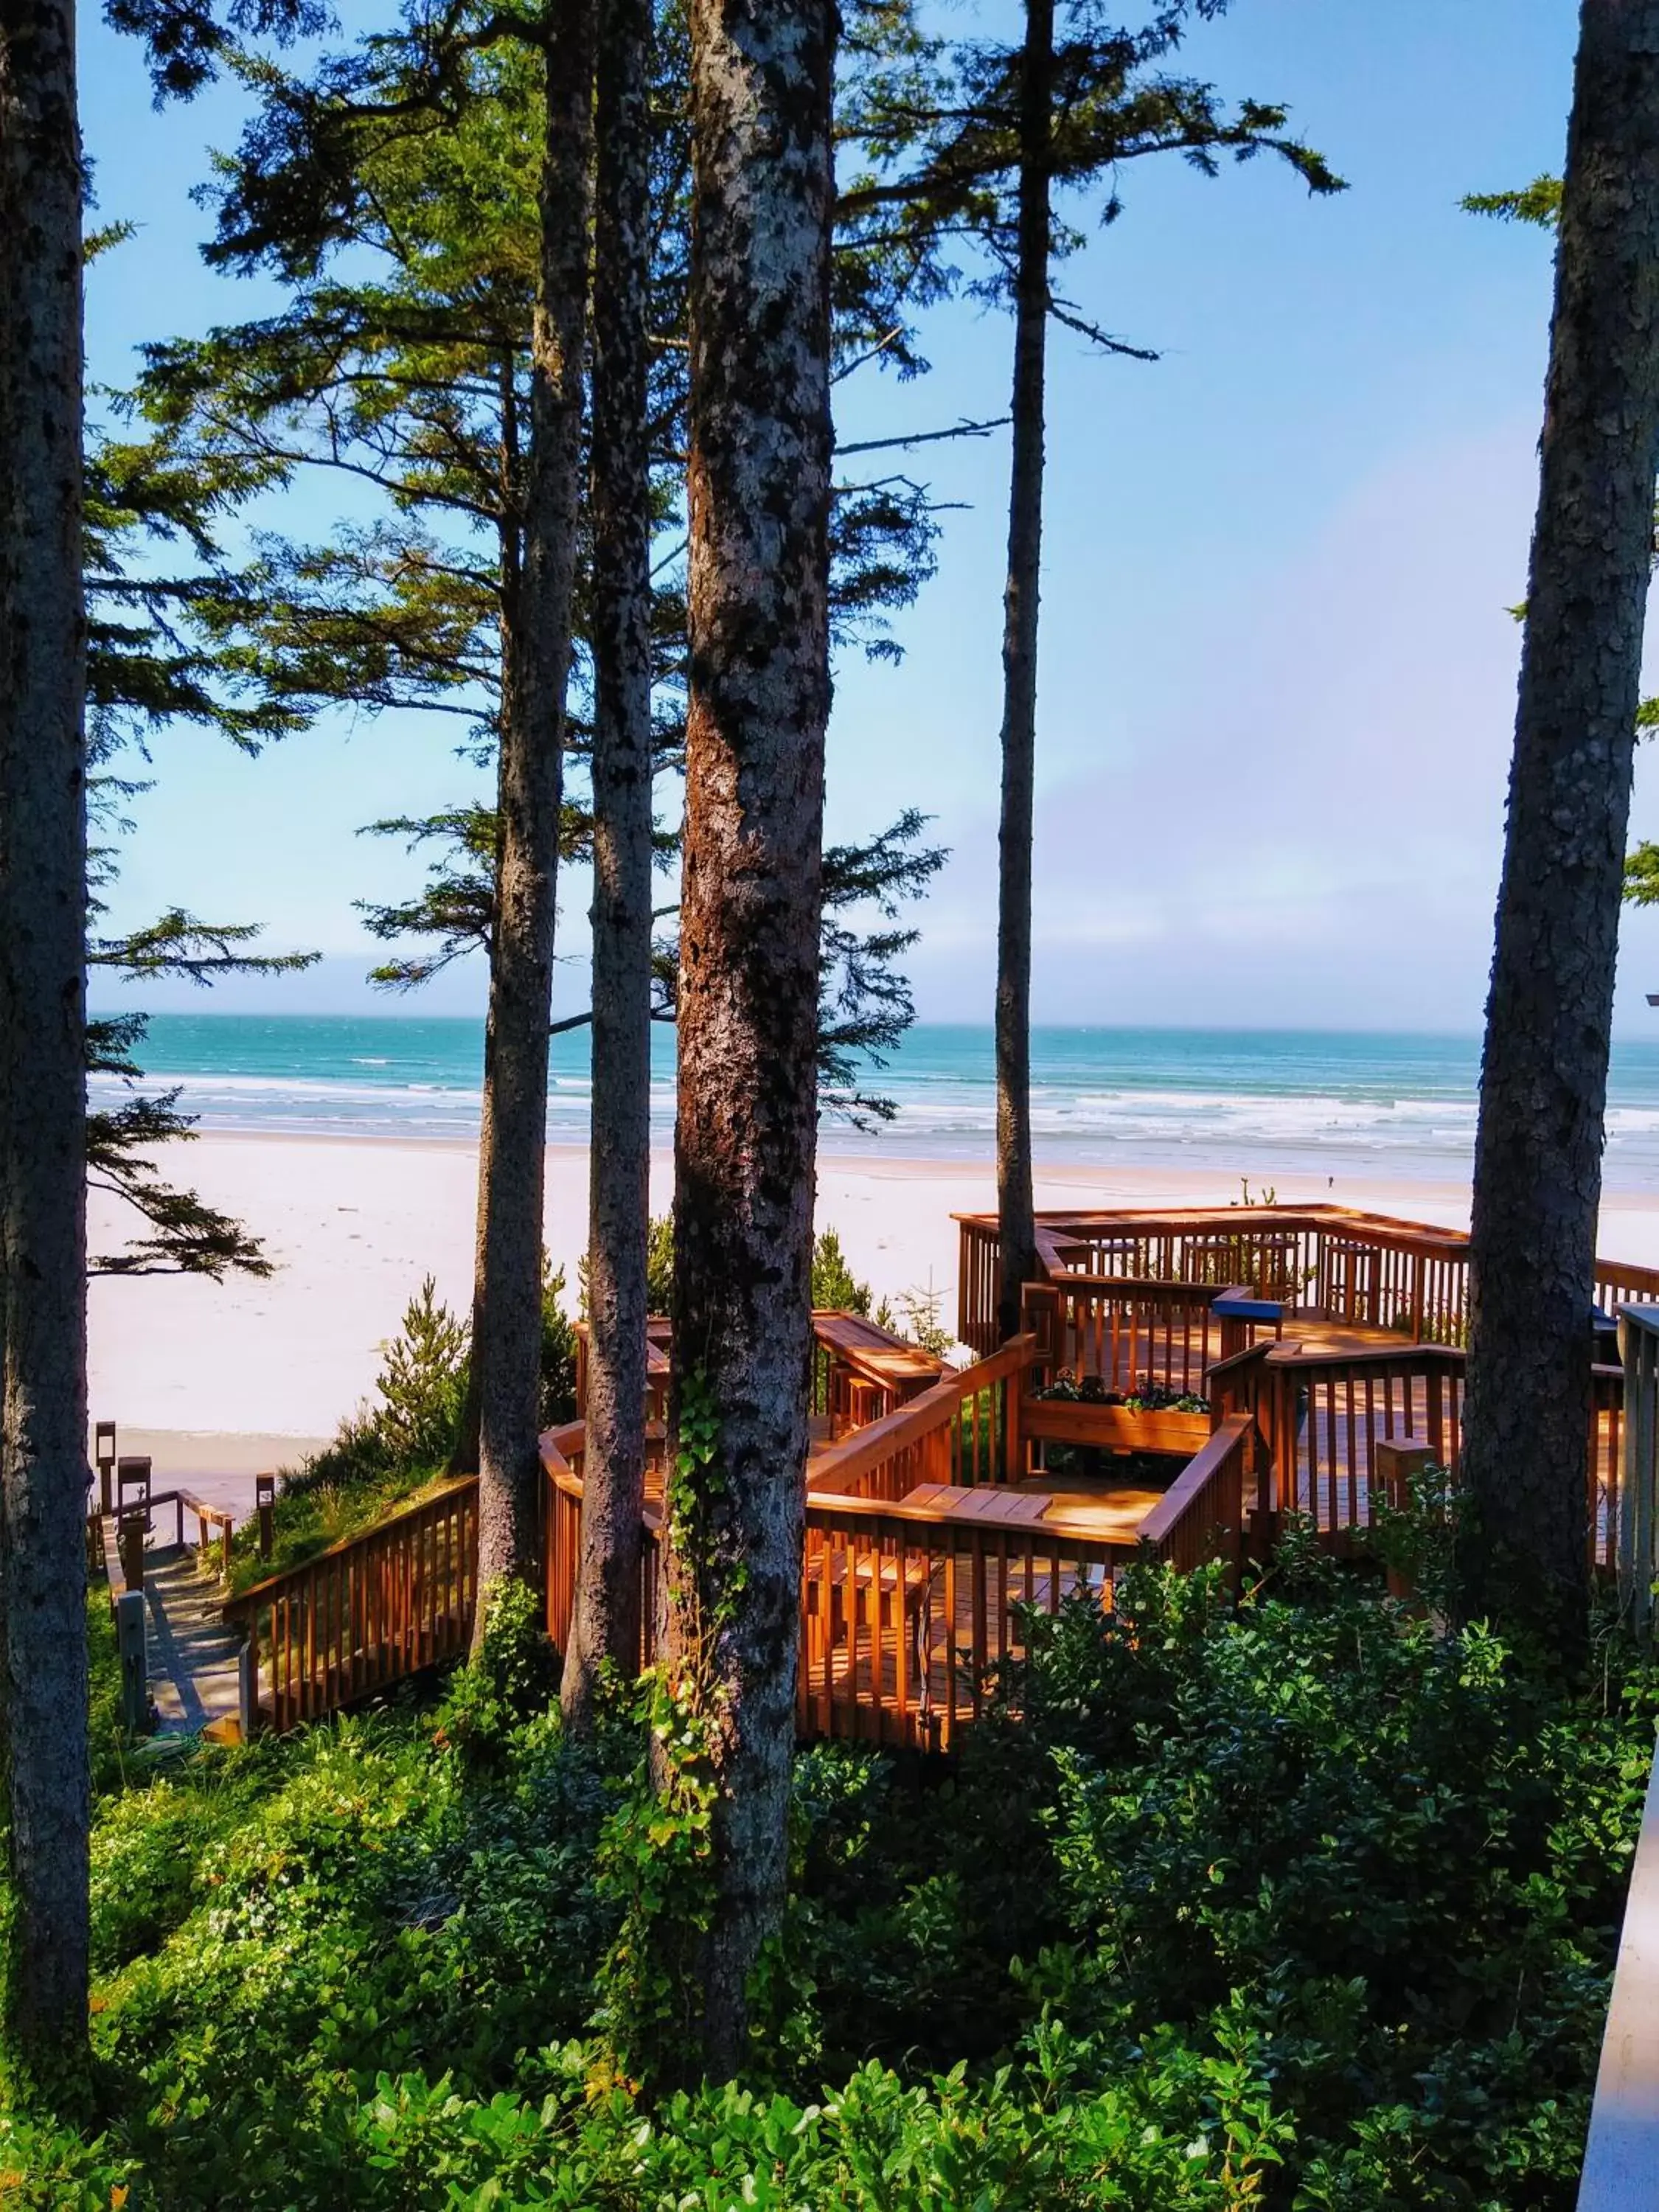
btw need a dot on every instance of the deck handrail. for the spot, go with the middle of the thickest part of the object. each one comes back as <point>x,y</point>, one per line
<point>273,1585</point>
<point>858,1455</point>
<point>1315,1214</point>
<point>104,1523</point>
<point>1195,1479</point>
<point>905,1605</point>
<point>1638,1520</point>
<point>907,1611</point>
<point>381,1604</point>
<point>1298,1357</point>
<point>1373,1268</point>
<point>1620,2173</point>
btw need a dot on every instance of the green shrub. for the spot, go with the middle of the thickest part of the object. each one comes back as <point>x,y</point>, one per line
<point>833,1284</point>
<point>359,1896</point>
<point>1399,1856</point>
<point>1192,2131</point>
<point>107,1743</point>
<point>403,1437</point>
<point>915,1315</point>
<point>659,1264</point>
<point>421,1384</point>
<point>47,2168</point>
<point>514,1677</point>
<point>1297,1903</point>
<point>556,1401</point>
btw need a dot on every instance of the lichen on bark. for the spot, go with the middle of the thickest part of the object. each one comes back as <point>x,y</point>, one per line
<point>759,494</point>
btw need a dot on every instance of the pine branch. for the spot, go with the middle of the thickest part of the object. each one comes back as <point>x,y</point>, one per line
<point>962,430</point>
<point>179,946</point>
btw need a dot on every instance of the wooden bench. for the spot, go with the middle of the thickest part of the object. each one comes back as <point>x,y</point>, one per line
<point>872,1371</point>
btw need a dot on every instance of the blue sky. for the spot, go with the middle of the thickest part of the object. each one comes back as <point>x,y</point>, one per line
<point>1277,677</point>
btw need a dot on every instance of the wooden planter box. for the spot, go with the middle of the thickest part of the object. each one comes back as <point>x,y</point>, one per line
<point>1112,1428</point>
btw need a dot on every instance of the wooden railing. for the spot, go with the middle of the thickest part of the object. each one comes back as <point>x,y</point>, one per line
<point>562,1524</point>
<point>383,1604</point>
<point>907,1604</point>
<point>1364,1269</point>
<point>979,1283</point>
<point>1203,1512</point>
<point>117,1534</point>
<point>906,1610</point>
<point>1636,1514</point>
<point>906,1616</point>
<point>965,1430</point>
<point>1126,1331</point>
<point>1321,1414</point>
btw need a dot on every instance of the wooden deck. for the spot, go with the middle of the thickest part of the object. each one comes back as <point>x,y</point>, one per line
<point>938,1510</point>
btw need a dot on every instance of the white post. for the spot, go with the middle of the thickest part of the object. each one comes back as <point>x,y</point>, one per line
<point>1621,2159</point>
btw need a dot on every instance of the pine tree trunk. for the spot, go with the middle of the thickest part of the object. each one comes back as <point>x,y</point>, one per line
<point>605,1622</point>
<point>512,1155</point>
<point>1543,1080</point>
<point>759,493</point>
<point>43,853</point>
<point>1017,1228</point>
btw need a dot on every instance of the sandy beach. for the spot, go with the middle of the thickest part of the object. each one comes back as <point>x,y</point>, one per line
<point>221,1379</point>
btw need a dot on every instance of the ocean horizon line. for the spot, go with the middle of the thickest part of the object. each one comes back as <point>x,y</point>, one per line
<point>1258,1101</point>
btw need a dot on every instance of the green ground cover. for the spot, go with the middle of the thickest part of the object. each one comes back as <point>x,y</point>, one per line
<point>1294,1904</point>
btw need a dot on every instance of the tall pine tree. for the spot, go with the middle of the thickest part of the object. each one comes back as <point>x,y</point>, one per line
<point>759,478</point>
<point>606,1623</point>
<point>43,1031</point>
<point>1522,1544</point>
<point>1001,134</point>
<point>43,1045</point>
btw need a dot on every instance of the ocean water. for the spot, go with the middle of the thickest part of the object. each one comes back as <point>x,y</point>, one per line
<point>1257,1103</point>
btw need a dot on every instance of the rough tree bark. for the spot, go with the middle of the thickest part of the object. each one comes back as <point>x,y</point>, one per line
<point>512,1153</point>
<point>1016,1226</point>
<point>759,496</point>
<point>606,1623</point>
<point>43,846</point>
<point>1543,1079</point>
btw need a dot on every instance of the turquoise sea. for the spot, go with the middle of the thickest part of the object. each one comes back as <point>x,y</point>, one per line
<point>1259,1103</point>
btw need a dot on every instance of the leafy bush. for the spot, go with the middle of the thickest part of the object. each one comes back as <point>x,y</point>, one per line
<point>404,1436</point>
<point>1192,2131</point>
<point>107,1743</point>
<point>1298,1902</point>
<point>659,1264</point>
<point>361,1896</point>
<point>1396,1857</point>
<point>47,2168</point>
<point>915,1315</point>
<point>514,1677</point>
<point>557,1399</point>
<point>835,1286</point>
<point>421,1384</point>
